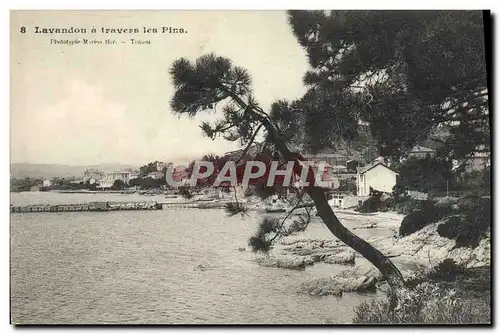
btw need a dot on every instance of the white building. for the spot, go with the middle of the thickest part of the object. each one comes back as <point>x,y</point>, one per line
<point>109,179</point>
<point>156,175</point>
<point>377,176</point>
<point>94,174</point>
<point>47,183</point>
<point>343,200</point>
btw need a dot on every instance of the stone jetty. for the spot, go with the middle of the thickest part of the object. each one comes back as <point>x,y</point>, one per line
<point>92,206</point>
<point>195,205</point>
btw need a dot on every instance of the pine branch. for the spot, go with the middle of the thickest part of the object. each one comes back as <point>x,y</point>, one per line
<point>245,151</point>
<point>287,216</point>
<point>233,208</point>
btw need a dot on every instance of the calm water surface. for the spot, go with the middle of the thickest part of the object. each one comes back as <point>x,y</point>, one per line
<point>142,267</point>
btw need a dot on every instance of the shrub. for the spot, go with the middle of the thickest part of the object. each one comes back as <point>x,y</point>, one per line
<point>426,214</point>
<point>471,225</point>
<point>406,205</point>
<point>423,175</point>
<point>447,270</point>
<point>451,227</point>
<point>472,203</point>
<point>447,206</point>
<point>388,204</point>
<point>185,192</point>
<point>427,304</point>
<point>373,203</point>
<point>478,181</point>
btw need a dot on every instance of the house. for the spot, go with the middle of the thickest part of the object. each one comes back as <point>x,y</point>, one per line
<point>378,176</point>
<point>106,180</point>
<point>47,183</point>
<point>328,177</point>
<point>333,159</point>
<point>253,150</point>
<point>343,200</point>
<point>156,175</point>
<point>161,166</point>
<point>93,173</point>
<point>420,152</point>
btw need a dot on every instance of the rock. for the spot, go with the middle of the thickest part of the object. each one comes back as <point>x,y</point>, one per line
<point>337,284</point>
<point>426,247</point>
<point>201,267</point>
<point>342,257</point>
<point>289,262</point>
<point>366,225</point>
<point>297,240</point>
<point>242,249</point>
<point>328,251</point>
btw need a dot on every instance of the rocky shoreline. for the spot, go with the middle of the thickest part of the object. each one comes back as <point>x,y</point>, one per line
<point>414,255</point>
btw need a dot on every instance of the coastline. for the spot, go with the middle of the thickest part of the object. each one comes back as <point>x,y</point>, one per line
<point>413,254</point>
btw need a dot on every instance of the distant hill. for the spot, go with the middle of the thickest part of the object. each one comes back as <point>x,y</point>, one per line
<point>49,171</point>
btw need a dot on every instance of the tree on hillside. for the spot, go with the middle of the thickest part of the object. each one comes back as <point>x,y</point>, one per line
<point>424,175</point>
<point>118,185</point>
<point>212,80</point>
<point>402,74</point>
<point>418,72</point>
<point>24,184</point>
<point>146,169</point>
<point>147,183</point>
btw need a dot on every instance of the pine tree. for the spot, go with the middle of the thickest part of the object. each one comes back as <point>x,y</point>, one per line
<point>213,81</point>
<point>419,72</point>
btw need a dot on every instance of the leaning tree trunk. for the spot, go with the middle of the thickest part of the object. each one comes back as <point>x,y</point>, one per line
<point>379,260</point>
<point>390,272</point>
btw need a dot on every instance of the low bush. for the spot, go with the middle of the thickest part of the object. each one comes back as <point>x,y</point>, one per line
<point>426,304</point>
<point>185,192</point>
<point>471,225</point>
<point>447,270</point>
<point>451,227</point>
<point>426,213</point>
<point>373,203</point>
<point>464,230</point>
<point>413,222</point>
<point>406,205</point>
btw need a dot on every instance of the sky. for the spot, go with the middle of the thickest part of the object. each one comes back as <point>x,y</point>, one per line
<point>91,104</point>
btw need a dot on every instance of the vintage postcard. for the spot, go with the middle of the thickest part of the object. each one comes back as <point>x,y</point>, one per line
<point>250,167</point>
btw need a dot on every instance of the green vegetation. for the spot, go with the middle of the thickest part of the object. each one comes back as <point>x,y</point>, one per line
<point>147,183</point>
<point>149,168</point>
<point>426,305</point>
<point>373,203</point>
<point>424,213</point>
<point>118,185</point>
<point>17,185</point>
<point>479,182</point>
<point>424,175</point>
<point>348,185</point>
<point>413,84</point>
<point>447,294</point>
<point>471,224</point>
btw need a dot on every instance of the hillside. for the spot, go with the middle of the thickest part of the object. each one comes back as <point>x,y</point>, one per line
<point>49,171</point>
